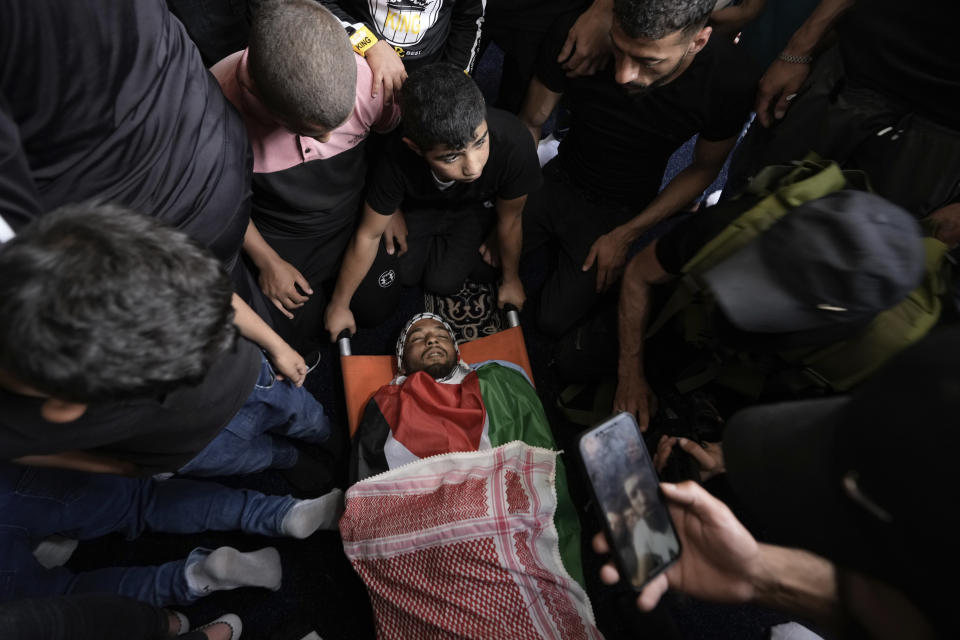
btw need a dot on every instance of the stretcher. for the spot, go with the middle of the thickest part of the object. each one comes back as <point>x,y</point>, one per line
<point>467,542</point>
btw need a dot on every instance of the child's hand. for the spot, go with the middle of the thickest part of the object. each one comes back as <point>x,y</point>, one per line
<point>337,319</point>
<point>288,364</point>
<point>279,281</point>
<point>389,73</point>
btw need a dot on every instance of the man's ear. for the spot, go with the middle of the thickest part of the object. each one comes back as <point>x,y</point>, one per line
<point>55,410</point>
<point>413,147</point>
<point>700,40</point>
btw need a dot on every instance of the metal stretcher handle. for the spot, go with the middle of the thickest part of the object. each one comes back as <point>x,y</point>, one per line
<point>512,314</point>
<point>343,341</point>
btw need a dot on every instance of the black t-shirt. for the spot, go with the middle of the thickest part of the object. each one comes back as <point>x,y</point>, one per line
<point>289,204</point>
<point>618,145</point>
<point>403,179</point>
<point>156,434</point>
<point>110,101</point>
<point>907,51</point>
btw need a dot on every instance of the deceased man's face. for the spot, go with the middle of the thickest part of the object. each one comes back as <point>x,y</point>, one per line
<point>429,348</point>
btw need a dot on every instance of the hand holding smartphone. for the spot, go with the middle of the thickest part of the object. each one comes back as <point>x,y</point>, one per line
<point>626,488</point>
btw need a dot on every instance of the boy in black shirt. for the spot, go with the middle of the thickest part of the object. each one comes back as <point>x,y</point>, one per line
<point>430,199</point>
<point>669,83</point>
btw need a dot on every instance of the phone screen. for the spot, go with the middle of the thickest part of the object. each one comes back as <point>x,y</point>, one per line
<point>627,491</point>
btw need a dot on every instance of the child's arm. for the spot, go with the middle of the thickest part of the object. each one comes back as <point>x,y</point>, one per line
<point>388,70</point>
<point>360,254</point>
<point>287,362</point>
<point>463,41</point>
<point>278,278</point>
<point>510,236</point>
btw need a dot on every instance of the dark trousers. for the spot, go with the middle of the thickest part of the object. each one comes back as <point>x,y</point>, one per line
<point>319,260</point>
<point>443,248</point>
<point>569,219</point>
<point>89,616</point>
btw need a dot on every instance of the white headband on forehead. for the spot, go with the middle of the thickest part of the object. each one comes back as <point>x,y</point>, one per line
<point>414,320</point>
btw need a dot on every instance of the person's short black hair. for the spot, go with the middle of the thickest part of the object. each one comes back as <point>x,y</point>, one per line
<point>441,106</point>
<point>655,19</point>
<point>98,302</point>
<point>302,63</point>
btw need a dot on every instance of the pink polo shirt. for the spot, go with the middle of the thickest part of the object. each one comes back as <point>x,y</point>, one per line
<point>274,147</point>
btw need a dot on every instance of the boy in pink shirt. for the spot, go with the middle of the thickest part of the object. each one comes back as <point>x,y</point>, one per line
<point>305,98</point>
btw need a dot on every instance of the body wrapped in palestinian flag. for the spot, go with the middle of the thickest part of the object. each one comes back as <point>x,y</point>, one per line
<point>411,427</point>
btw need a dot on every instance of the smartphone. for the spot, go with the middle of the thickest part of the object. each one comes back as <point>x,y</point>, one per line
<point>626,488</point>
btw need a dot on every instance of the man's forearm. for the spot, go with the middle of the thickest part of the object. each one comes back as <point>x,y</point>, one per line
<point>257,248</point>
<point>632,315</point>
<point>810,37</point>
<point>679,192</point>
<point>359,257</point>
<point>510,236</point>
<point>538,104</point>
<point>798,582</point>
<point>253,328</point>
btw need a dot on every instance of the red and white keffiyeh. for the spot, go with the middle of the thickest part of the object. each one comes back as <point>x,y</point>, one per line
<point>463,545</point>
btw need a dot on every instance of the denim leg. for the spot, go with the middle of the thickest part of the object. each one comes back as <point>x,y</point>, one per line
<point>250,442</point>
<point>35,503</point>
<point>78,505</point>
<point>302,417</point>
<point>21,576</point>
<point>244,446</point>
<point>185,506</point>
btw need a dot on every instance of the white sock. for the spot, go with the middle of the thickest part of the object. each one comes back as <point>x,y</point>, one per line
<point>54,551</point>
<point>226,568</point>
<point>307,516</point>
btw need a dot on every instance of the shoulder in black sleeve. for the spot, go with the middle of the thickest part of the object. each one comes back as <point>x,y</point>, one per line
<point>732,92</point>
<point>513,155</point>
<point>390,180</point>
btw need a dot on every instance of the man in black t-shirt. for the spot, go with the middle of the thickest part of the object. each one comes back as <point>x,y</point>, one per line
<point>670,83</point>
<point>458,173</point>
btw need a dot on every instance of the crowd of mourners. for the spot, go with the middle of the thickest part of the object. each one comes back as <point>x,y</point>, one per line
<point>196,198</point>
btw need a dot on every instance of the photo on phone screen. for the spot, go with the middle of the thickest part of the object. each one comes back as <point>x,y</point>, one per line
<point>626,488</point>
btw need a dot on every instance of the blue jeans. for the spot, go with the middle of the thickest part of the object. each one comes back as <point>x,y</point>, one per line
<point>36,503</point>
<point>258,437</point>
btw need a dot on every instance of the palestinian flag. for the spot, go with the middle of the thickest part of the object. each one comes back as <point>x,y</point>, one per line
<point>493,405</point>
